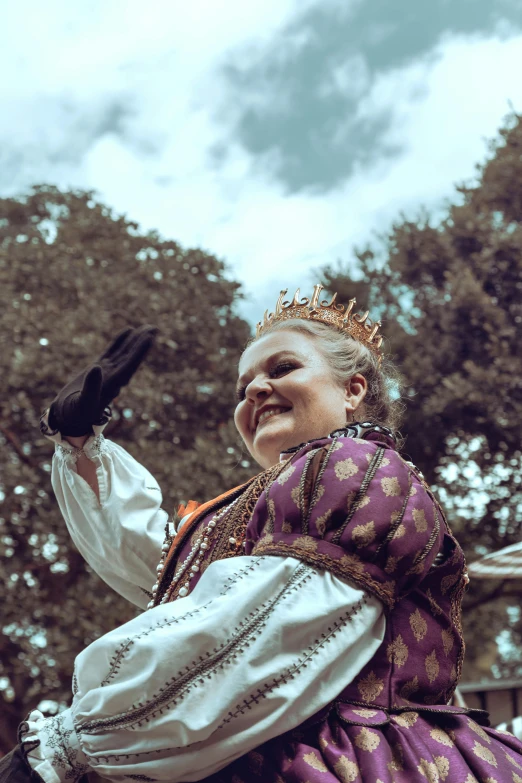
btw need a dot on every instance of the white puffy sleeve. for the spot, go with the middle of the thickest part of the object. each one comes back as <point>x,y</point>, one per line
<point>176,694</point>
<point>120,536</point>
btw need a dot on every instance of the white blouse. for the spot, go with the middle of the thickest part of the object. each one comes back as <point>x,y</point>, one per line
<point>120,536</point>
<point>176,694</point>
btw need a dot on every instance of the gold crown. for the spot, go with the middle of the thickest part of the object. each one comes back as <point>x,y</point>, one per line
<point>337,315</point>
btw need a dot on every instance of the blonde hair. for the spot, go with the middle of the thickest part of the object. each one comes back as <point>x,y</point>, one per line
<point>346,357</point>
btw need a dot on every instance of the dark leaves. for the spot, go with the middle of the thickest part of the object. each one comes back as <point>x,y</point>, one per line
<point>450,298</point>
<point>67,286</point>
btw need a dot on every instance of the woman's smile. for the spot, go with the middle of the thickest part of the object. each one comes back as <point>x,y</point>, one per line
<point>269,413</point>
<point>287,394</point>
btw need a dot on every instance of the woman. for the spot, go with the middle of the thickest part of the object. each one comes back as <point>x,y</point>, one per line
<point>302,627</point>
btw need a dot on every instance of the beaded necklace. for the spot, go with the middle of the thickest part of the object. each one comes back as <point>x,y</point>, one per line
<point>200,545</point>
<point>232,519</point>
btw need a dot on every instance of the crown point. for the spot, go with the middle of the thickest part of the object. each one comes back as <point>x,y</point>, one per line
<point>374,331</point>
<point>279,303</point>
<point>351,305</point>
<point>361,319</point>
<point>315,296</point>
<point>358,327</point>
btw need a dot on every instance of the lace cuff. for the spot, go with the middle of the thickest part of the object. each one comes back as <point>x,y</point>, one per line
<point>93,446</point>
<point>52,748</point>
<point>57,437</point>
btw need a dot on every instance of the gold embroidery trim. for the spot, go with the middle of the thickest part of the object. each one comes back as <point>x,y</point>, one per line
<point>316,483</point>
<point>368,476</point>
<point>397,521</point>
<point>347,568</point>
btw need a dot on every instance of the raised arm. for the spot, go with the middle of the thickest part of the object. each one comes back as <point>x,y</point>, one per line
<point>111,504</point>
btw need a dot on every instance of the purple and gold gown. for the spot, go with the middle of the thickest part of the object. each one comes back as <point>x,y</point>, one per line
<point>355,507</point>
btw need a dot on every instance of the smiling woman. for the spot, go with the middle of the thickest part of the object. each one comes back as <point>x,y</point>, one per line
<point>328,379</point>
<point>304,626</point>
<point>290,394</point>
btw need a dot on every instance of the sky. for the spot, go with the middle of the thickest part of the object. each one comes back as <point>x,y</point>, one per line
<point>275,134</point>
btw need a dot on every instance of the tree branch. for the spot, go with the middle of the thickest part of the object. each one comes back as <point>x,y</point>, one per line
<point>498,592</point>
<point>14,441</point>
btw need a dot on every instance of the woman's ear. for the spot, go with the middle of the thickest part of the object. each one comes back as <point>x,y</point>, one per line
<point>355,390</point>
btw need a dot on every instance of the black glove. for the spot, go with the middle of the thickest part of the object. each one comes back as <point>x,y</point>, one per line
<point>82,402</point>
<point>15,769</point>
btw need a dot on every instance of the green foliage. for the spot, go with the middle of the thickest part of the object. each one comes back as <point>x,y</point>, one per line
<point>450,297</point>
<point>72,274</point>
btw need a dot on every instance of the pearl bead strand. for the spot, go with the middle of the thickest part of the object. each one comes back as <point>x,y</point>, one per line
<point>159,568</point>
<point>201,544</point>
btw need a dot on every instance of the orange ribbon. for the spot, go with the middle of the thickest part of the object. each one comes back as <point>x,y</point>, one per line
<point>197,511</point>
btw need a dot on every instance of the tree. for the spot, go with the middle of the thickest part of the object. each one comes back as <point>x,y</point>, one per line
<point>450,295</point>
<point>72,274</point>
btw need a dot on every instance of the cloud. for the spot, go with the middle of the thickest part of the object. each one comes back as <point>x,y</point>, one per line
<point>442,109</point>
<point>297,95</point>
<point>443,112</point>
<point>135,103</point>
<point>120,70</point>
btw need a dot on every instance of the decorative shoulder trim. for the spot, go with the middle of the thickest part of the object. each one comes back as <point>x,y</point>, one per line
<point>358,430</point>
<point>349,567</point>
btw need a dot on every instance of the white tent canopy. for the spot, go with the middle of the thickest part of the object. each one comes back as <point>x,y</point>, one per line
<point>504,564</point>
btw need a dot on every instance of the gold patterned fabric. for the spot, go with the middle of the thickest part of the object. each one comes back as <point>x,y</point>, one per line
<point>357,509</point>
<point>411,747</point>
<point>354,507</point>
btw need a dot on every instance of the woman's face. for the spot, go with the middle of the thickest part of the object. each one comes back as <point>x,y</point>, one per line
<point>287,395</point>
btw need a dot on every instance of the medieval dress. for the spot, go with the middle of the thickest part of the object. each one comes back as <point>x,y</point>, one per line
<point>303,627</point>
